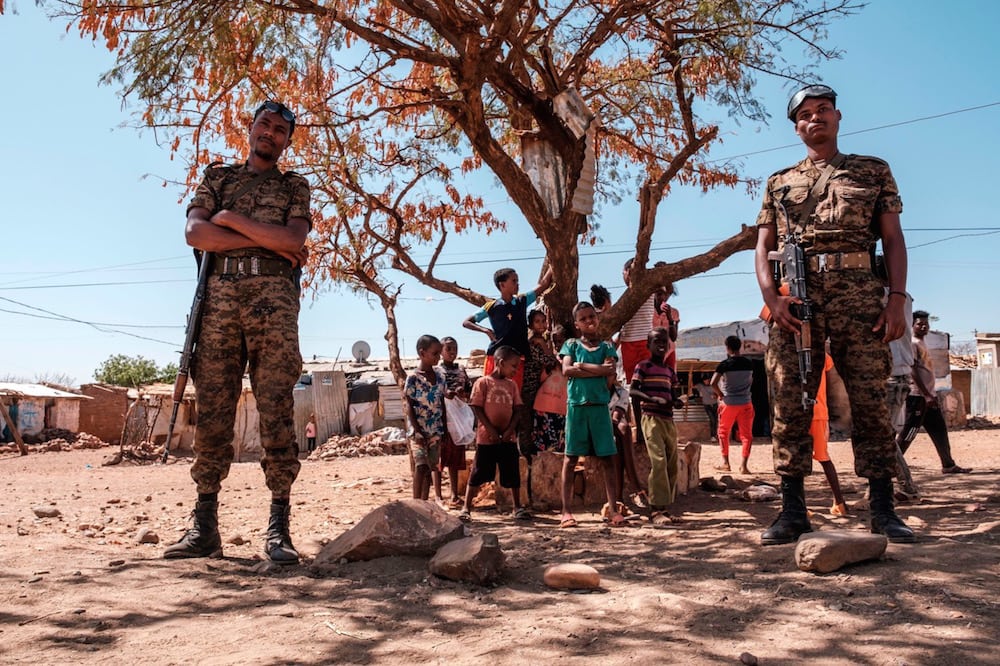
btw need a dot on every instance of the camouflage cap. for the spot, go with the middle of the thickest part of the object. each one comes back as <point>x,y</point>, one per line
<point>816,90</point>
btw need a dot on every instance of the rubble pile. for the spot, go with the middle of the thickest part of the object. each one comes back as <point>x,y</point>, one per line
<point>59,439</point>
<point>382,442</point>
<point>982,422</point>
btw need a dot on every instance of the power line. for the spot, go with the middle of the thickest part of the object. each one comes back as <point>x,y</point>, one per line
<point>862,131</point>
<point>103,328</point>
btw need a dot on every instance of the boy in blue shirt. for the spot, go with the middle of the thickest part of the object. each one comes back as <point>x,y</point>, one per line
<point>508,315</point>
<point>589,366</point>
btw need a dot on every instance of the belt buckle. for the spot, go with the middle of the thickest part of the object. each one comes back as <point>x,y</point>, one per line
<point>821,263</point>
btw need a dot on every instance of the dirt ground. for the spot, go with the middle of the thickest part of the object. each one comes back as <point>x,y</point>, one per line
<point>80,588</point>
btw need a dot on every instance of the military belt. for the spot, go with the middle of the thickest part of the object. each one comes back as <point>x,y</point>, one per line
<point>839,261</point>
<point>250,266</point>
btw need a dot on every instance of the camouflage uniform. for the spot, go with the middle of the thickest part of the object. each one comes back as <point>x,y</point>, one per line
<point>248,319</point>
<point>847,303</point>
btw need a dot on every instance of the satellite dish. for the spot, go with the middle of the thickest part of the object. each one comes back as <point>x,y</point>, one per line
<point>361,350</point>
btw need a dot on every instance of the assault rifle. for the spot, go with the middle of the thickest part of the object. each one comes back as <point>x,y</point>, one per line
<point>791,265</point>
<point>190,341</point>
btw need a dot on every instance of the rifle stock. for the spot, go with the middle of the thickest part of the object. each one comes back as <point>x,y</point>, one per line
<point>190,341</point>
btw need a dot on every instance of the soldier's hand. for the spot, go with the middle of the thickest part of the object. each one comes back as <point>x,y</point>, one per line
<point>297,258</point>
<point>892,321</point>
<point>781,313</point>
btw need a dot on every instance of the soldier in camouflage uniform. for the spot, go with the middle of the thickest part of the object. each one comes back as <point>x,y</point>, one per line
<point>253,219</point>
<point>859,204</point>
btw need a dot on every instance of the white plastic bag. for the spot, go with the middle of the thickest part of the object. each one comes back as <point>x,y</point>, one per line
<point>461,422</point>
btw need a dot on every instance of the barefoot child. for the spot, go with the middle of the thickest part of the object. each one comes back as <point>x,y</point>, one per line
<point>457,387</point>
<point>424,403</point>
<point>588,363</point>
<point>655,384</point>
<point>497,403</point>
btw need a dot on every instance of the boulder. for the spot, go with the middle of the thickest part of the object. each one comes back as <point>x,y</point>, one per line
<point>823,552</point>
<point>404,527</point>
<point>476,559</point>
<point>572,577</point>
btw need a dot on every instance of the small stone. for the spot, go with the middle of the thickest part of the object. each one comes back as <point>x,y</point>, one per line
<point>114,500</point>
<point>237,540</point>
<point>46,511</point>
<point>149,498</point>
<point>976,506</point>
<point>34,579</point>
<point>147,535</point>
<point>748,659</point>
<point>116,563</point>
<point>572,577</point>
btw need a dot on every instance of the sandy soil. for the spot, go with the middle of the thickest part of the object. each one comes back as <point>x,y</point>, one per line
<point>79,588</point>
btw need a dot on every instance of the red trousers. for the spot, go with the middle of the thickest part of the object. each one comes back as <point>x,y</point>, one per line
<point>742,416</point>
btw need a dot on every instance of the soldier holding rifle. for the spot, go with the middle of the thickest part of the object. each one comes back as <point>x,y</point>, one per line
<point>837,207</point>
<point>251,221</point>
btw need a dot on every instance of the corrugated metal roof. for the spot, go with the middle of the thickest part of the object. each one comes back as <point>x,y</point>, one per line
<point>38,391</point>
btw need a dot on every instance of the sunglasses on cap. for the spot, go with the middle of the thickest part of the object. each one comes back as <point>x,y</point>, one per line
<point>276,107</point>
<point>809,91</point>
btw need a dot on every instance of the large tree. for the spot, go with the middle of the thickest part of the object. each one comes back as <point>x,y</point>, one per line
<point>406,104</point>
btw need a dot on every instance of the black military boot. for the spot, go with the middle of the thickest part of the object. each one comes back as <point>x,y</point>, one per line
<point>884,518</point>
<point>203,539</point>
<point>793,521</point>
<point>278,544</point>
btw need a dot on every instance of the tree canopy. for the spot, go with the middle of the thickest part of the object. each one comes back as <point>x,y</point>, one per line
<point>405,105</point>
<point>133,371</point>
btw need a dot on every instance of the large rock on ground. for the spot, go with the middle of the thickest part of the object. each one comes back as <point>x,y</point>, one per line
<point>405,527</point>
<point>572,577</point>
<point>823,552</point>
<point>588,488</point>
<point>476,559</point>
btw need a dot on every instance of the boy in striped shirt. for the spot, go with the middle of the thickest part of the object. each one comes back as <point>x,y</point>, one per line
<point>656,386</point>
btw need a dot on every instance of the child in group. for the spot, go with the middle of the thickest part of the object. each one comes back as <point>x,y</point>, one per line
<point>588,364</point>
<point>621,426</point>
<point>820,431</point>
<point>539,361</point>
<point>497,403</point>
<point>550,404</point>
<point>423,394</point>
<point>457,387</point>
<point>508,315</point>
<point>656,385</point>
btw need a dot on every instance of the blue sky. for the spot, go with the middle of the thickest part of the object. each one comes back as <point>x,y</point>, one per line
<point>87,236</point>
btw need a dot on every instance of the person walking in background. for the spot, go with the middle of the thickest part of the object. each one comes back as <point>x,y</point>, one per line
<point>710,403</point>
<point>922,407</point>
<point>311,433</point>
<point>251,221</point>
<point>732,381</point>
<point>836,207</point>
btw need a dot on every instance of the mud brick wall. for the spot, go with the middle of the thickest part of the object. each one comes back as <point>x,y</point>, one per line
<point>103,416</point>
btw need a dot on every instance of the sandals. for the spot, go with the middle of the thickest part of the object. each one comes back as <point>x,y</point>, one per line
<point>617,520</point>
<point>663,518</point>
<point>465,516</point>
<point>522,514</point>
<point>568,521</point>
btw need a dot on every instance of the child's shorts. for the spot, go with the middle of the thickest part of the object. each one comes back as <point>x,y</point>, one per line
<point>820,431</point>
<point>426,453</point>
<point>588,431</point>
<point>491,456</point>
<point>451,455</point>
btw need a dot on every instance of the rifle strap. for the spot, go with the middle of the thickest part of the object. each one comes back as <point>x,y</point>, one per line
<point>809,205</point>
<point>251,184</point>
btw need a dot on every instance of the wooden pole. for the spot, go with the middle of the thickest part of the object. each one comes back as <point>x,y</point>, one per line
<point>13,428</point>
